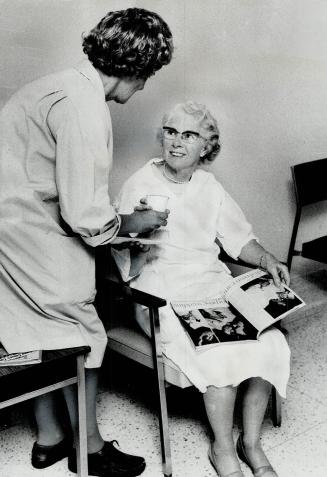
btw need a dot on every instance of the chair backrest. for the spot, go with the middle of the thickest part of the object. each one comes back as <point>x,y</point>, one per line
<point>310,186</point>
<point>310,182</point>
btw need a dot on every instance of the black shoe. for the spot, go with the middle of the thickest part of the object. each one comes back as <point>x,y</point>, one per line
<point>44,456</point>
<point>109,461</point>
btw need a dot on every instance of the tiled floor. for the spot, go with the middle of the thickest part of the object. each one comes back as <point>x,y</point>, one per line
<point>127,411</point>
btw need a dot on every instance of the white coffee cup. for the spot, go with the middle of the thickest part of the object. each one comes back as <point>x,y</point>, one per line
<point>157,202</point>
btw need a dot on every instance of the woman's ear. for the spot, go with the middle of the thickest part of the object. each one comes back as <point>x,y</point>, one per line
<point>203,151</point>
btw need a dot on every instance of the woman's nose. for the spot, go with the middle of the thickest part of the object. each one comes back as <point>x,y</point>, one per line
<point>177,140</point>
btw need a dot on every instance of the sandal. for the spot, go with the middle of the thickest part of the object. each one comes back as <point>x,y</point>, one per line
<point>212,459</point>
<point>259,471</point>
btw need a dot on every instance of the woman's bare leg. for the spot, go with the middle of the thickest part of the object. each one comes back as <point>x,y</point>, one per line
<point>254,407</point>
<point>219,404</point>
<point>94,439</point>
<point>50,429</point>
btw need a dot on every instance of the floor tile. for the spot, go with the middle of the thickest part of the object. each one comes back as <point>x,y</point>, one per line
<point>308,345</point>
<point>302,456</point>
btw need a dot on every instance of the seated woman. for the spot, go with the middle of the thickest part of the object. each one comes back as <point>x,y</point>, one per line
<point>187,266</point>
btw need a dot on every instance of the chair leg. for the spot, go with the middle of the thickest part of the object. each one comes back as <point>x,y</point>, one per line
<point>276,404</point>
<point>164,426</point>
<point>160,377</point>
<point>82,467</point>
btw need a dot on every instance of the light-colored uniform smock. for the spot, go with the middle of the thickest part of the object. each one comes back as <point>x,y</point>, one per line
<point>55,157</point>
<point>187,267</point>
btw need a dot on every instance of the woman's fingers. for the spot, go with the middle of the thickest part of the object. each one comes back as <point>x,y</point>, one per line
<point>274,273</point>
<point>284,274</point>
<point>141,247</point>
<point>280,274</point>
<point>142,207</point>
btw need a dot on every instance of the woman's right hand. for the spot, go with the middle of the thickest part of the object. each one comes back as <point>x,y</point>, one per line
<point>148,220</point>
<point>142,220</point>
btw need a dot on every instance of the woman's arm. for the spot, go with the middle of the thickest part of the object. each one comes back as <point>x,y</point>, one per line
<point>254,254</point>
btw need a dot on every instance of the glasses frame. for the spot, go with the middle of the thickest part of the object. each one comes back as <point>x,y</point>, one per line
<point>181,134</point>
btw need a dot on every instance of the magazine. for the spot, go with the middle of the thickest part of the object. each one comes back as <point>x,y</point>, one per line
<point>18,359</point>
<point>250,304</point>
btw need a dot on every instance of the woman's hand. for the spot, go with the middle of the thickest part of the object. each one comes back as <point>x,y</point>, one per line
<point>277,270</point>
<point>143,205</point>
<point>147,220</point>
<point>143,219</point>
<point>134,247</point>
<point>254,254</point>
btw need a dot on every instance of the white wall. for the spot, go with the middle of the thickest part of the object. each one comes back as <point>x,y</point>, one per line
<point>260,66</point>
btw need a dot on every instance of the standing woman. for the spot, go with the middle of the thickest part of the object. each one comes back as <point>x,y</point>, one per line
<point>55,160</point>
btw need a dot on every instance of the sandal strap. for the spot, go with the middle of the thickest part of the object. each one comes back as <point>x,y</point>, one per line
<point>236,473</point>
<point>261,471</point>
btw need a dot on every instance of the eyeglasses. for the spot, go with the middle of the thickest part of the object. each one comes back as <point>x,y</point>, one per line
<point>188,137</point>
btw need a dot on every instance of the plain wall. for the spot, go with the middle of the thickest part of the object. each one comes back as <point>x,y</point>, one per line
<point>259,65</point>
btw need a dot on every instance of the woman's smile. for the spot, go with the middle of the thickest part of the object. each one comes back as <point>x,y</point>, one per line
<point>177,154</point>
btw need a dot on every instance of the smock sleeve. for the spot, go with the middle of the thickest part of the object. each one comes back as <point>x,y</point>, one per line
<point>83,161</point>
<point>233,229</point>
<point>125,202</point>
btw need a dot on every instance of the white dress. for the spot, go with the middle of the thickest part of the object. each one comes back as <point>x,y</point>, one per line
<point>187,266</point>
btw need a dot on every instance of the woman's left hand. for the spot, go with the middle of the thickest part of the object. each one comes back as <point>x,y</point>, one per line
<point>134,247</point>
<point>277,270</point>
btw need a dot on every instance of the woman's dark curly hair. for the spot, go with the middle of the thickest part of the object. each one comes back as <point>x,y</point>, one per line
<point>129,43</point>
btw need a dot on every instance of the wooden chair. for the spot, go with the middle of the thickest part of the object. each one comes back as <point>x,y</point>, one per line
<point>58,369</point>
<point>309,181</point>
<point>125,337</point>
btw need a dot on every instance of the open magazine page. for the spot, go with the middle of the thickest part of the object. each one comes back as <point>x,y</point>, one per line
<point>16,359</point>
<point>212,322</point>
<point>256,296</point>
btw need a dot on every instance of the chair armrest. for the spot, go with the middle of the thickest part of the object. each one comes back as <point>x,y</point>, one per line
<point>136,296</point>
<point>153,303</point>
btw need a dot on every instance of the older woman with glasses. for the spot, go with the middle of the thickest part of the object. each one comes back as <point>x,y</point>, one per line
<point>187,266</point>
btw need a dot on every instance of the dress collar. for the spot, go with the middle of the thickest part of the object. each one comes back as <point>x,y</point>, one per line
<point>86,68</point>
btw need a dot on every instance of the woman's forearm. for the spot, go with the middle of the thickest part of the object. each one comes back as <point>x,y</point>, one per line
<point>254,254</point>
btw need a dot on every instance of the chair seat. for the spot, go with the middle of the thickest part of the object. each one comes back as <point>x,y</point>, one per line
<point>56,365</point>
<point>133,344</point>
<point>58,369</point>
<point>316,249</point>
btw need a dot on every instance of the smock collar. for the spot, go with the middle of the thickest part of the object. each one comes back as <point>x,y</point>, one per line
<point>86,68</point>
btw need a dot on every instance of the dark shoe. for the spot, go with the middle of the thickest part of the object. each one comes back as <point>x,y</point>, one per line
<point>44,456</point>
<point>213,462</point>
<point>110,462</point>
<point>257,472</point>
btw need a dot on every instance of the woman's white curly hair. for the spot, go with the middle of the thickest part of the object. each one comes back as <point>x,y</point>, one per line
<point>208,126</point>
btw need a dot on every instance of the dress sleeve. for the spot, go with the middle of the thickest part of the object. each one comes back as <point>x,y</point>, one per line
<point>128,197</point>
<point>82,172</point>
<point>233,230</point>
